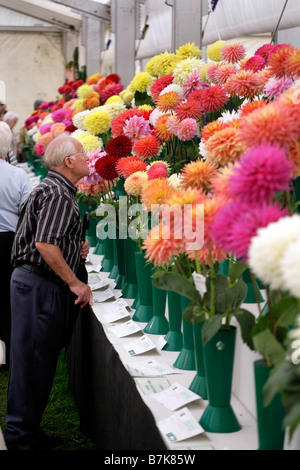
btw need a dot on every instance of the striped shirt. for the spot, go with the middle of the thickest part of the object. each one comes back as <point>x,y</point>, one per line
<point>50,215</point>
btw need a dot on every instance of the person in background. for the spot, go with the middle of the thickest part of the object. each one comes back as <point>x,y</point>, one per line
<point>11,119</point>
<point>2,110</point>
<point>46,255</point>
<point>14,190</point>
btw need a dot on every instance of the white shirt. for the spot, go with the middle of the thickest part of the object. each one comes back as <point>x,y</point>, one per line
<point>14,190</point>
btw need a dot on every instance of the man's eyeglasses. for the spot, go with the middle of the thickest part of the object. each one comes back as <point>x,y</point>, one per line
<point>74,155</point>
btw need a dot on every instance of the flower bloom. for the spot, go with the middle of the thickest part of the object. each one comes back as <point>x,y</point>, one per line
<point>224,146</point>
<point>214,50</point>
<point>89,141</point>
<point>159,84</point>
<point>39,149</point>
<point>58,128</point>
<point>162,130</point>
<point>223,72</point>
<point>106,167</point>
<point>168,101</point>
<point>189,109</point>
<point>136,128</point>
<point>156,191</point>
<point>198,174</point>
<point>120,146</point>
<point>289,267</point>
<point>292,64</point>
<point>187,129</point>
<point>94,177</point>
<point>128,165</point>
<point>248,107</point>
<point>265,51</point>
<point>134,183</point>
<point>276,86</point>
<point>255,63</point>
<point>279,59</point>
<point>268,247</point>
<point>97,122</point>
<point>244,83</point>
<point>147,147</point>
<point>161,245</point>
<point>214,98</point>
<point>157,170</point>
<point>233,53</point>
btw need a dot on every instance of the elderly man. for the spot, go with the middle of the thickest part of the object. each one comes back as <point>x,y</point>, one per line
<point>14,190</point>
<point>46,255</point>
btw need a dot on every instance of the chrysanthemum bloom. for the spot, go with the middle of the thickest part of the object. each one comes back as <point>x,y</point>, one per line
<point>128,165</point>
<point>58,128</point>
<point>120,146</point>
<point>255,63</point>
<point>168,101</point>
<point>223,72</point>
<point>289,267</point>
<point>89,141</point>
<point>134,183</point>
<point>39,149</point>
<point>136,128</point>
<point>188,50</point>
<point>268,248</point>
<point>292,64</point>
<point>162,130</point>
<point>46,138</point>
<point>266,125</point>
<point>189,109</point>
<point>159,84</point>
<point>157,171</point>
<point>97,122</point>
<point>198,174</point>
<point>156,192</point>
<point>233,53</point>
<point>276,86</point>
<point>114,108</point>
<point>161,245</point>
<point>187,129</point>
<point>106,167</point>
<point>214,50</point>
<point>209,129</point>
<point>245,84</point>
<point>184,68</point>
<point>147,147</point>
<point>214,98</point>
<point>248,106</point>
<point>160,64</point>
<point>224,146</point>
<point>237,223</point>
<point>84,90</point>
<point>141,81</point>
<point>261,172</point>
<point>279,59</point>
<point>220,183</point>
<point>265,51</point>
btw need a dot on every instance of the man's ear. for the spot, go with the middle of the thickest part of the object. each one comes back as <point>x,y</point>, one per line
<point>69,162</point>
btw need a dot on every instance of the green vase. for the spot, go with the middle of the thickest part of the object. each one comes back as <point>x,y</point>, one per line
<point>224,267</point>
<point>250,296</point>
<point>174,335</point>
<point>120,187</point>
<point>91,231</point>
<point>269,418</point>
<point>108,258</point>
<point>120,279</point>
<point>144,308</point>
<point>130,288</point>
<point>99,249</point>
<point>297,190</point>
<point>115,270</point>
<point>218,356</point>
<point>199,384</point>
<point>186,357</point>
<point>158,325</point>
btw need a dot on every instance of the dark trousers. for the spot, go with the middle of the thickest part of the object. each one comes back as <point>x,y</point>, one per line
<point>6,242</point>
<point>38,322</point>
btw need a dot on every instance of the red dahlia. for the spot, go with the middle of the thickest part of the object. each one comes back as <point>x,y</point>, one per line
<point>106,167</point>
<point>120,146</point>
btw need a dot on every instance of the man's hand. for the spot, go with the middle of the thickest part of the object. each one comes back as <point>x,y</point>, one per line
<point>85,248</point>
<point>83,293</point>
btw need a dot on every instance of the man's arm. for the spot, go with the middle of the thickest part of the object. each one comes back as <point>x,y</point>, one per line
<point>53,257</point>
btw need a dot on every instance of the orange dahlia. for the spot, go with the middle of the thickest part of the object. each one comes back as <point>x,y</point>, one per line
<point>245,84</point>
<point>224,146</point>
<point>292,64</point>
<point>250,106</point>
<point>161,245</point>
<point>156,191</point>
<point>198,174</point>
<point>168,101</point>
<point>189,109</point>
<point>233,52</point>
<point>125,166</point>
<point>211,128</point>
<point>134,183</point>
<point>187,196</point>
<point>279,60</point>
<point>147,147</point>
<point>224,71</point>
<point>220,182</point>
<point>162,130</point>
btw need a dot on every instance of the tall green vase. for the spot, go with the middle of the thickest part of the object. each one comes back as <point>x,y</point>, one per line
<point>91,231</point>
<point>115,269</point>
<point>173,338</point>
<point>218,355</point>
<point>120,247</point>
<point>108,258</point>
<point>199,384</point>
<point>130,288</point>
<point>186,357</point>
<point>269,418</point>
<point>144,309</point>
<point>158,325</point>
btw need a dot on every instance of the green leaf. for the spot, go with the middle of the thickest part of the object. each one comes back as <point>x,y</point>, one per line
<point>292,418</point>
<point>267,345</point>
<point>246,321</point>
<point>177,283</point>
<point>276,382</point>
<point>211,327</point>
<point>236,269</point>
<point>285,311</point>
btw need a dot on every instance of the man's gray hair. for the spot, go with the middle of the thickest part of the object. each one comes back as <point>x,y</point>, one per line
<point>58,149</point>
<point>5,138</point>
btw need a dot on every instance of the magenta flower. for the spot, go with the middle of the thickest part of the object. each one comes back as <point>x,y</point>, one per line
<point>46,128</point>
<point>237,223</point>
<point>260,172</point>
<point>59,115</point>
<point>39,149</point>
<point>136,128</point>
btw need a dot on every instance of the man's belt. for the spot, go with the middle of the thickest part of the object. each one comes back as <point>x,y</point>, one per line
<point>33,268</point>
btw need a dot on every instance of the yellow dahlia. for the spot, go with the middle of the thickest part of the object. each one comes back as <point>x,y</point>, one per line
<point>128,96</point>
<point>89,141</point>
<point>214,50</point>
<point>188,50</point>
<point>141,82</point>
<point>97,122</point>
<point>203,74</point>
<point>113,99</point>
<point>160,64</point>
<point>184,68</point>
<point>84,90</point>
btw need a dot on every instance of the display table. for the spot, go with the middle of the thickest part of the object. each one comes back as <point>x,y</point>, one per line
<point>118,411</point>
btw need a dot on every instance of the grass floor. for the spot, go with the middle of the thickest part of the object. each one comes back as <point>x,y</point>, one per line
<point>61,418</point>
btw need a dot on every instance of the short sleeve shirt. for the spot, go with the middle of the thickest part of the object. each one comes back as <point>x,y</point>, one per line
<point>50,215</point>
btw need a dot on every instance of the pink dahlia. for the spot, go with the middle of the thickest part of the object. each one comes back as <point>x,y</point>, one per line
<point>157,170</point>
<point>189,109</point>
<point>59,115</point>
<point>39,149</point>
<point>214,98</point>
<point>93,177</point>
<point>192,83</point>
<point>237,223</point>
<point>159,85</point>
<point>44,128</point>
<point>136,128</point>
<point>187,129</point>
<point>233,52</point>
<point>255,63</point>
<point>261,172</point>
<point>265,51</point>
<point>276,86</point>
